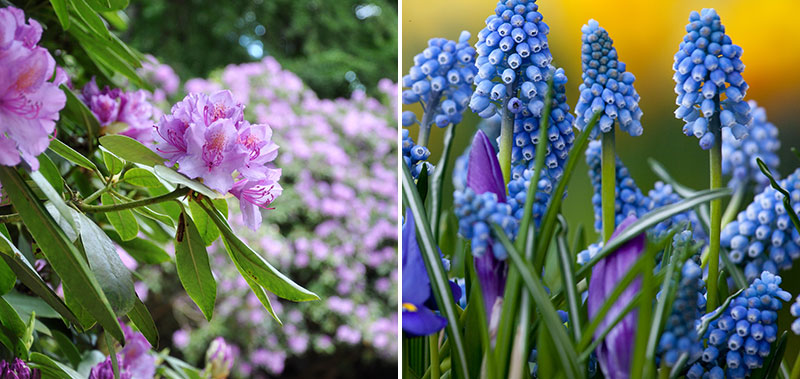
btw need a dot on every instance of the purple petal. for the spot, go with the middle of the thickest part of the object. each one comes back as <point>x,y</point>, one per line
<point>483,172</point>
<point>422,322</point>
<point>614,353</point>
<point>492,277</point>
<point>416,285</point>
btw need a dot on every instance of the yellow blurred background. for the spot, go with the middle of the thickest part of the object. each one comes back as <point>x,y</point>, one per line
<point>646,35</point>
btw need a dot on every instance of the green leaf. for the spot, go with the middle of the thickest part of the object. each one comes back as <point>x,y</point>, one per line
<point>261,294</point>
<point>89,17</point>
<point>123,221</point>
<point>31,279</point>
<point>7,278</point>
<point>54,197</point>
<point>112,275</point>
<point>64,257</point>
<point>140,316</point>
<point>148,212</point>
<point>438,278</point>
<point>49,170</point>
<point>11,321</point>
<point>68,228</point>
<point>437,180</point>
<point>71,155</point>
<point>255,266</point>
<point>564,348</point>
<point>51,368</point>
<point>664,306</point>
<point>117,19</point>
<point>131,150</point>
<point>67,348</point>
<point>176,178</point>
<point>141,177</point>
<point>787,197</point>
<point>194,270</point>
<point>107,5</point>
<point>113,164</point>
<point>60,7</point>
<point>77,111</point>
<point>653,217</point>
<point>27,305</point>
<point>143,250</point>
<point>205,226</point>
<point>566,263</point>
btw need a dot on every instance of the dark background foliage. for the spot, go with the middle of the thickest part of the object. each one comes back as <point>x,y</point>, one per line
<point>334,46</point>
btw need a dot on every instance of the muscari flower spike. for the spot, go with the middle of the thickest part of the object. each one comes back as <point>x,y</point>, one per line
<point>415,156</point>
<point>514,67</point>
<point>762,238</point>
<point>707,66</point>
<point>441,81</point>
<point>795,311</point>
<point>606,86</point>
<point>680,335</point>
<point>739,155</point>
<point>742,337</point>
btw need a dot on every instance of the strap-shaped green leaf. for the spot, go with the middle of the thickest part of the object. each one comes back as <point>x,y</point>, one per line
<point>254,265</point>
<point>60,7</point>
<point>51,368</point>
<point>194,270</point>
<point>64,257</point>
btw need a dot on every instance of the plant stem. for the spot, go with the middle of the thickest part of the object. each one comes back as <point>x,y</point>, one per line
<point>134,204</point>
<point>506,141</point>
<point>97,193</point>
<point>434,347</point>
<point>715,170</point>
<point>427,120</point>
<point>608,184</point>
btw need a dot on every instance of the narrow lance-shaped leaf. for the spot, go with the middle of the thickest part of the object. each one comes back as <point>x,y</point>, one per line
<point>63,256</point>
<point>254,265</point>
<point>111,273</point>
<point>194,270</point>
<point>123,220</point>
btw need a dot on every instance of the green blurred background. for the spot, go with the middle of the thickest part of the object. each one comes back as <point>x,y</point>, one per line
<point>646,35</point>
<point>334,46</point>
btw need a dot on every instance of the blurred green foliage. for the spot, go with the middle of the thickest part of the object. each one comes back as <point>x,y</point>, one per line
<point>321,41</point>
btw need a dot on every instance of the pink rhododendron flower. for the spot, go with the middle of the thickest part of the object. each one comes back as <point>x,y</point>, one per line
<point>29,99</point>
<point>132,109</point>
<point>207,136</point>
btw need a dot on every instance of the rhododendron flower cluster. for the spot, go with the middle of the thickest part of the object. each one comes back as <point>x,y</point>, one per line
<point>130,112</point>
<point>209,139</point>
<point>336,224</point>
<point>135,361</point>
<point>29,99</point>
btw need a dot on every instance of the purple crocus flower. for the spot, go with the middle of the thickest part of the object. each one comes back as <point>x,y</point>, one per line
<point>616,350</point>
<point>419,304</point>
<point>18,370</point>
<point>484,175</point>
<point>29,100</point>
